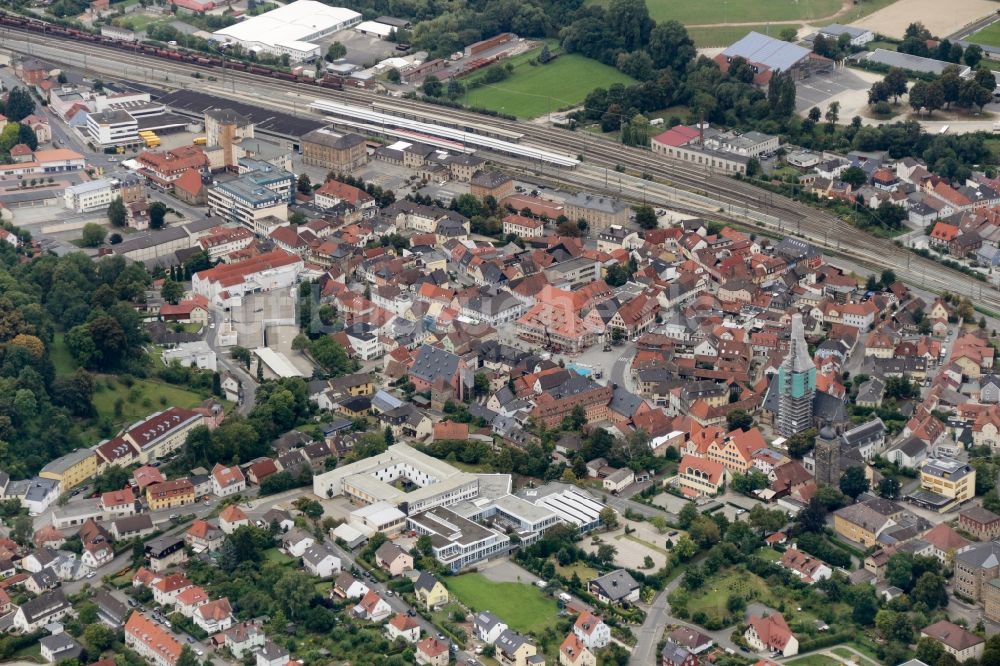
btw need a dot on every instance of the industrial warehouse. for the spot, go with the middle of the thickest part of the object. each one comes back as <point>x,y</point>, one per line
<point>291,29</point>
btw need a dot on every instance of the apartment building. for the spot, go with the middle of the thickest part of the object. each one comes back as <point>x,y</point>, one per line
<point>975,568</point>
<point>151,641</point>
<point>170,494</point>
<point>340,153</point>
<point>71,469</point>
<point>949,478</point>
<point>254,200</point>
<point>600,212</point>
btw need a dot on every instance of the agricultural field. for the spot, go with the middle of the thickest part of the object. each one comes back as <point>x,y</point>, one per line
<point>715,36</point>
<point>694,12</point>
<point>522,606</point>
<point>534,90</point>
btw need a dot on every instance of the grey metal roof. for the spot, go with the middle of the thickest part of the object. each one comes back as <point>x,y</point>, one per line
<point>768,51</point>
<point>912,62</point>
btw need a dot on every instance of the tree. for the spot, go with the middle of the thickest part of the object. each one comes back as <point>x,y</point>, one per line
<point>749,482</point>
<point>865,608</point>
<point>688,514</point>
<point>157,215</point>
<point>854,176</point>
<point>767,520</point>
<point>853,482</point>
<point>973,55</point>
<point>545,55</point>
<point>424,545</point>
<point>331,357</point>
<point>187,657</point>
<point>22,530</point>
<point>609,518</point>
<point>895,83</point>
<point>813,517</point>
<point>879,92</point>
<point>670,46</point>
<point>739,419</point>
<point>918,95</point>
<point>432,86</point>
<point>889,488</point>
<point>481,384</point>
<point>788,34</point>
<point>629,19</point>
<point>890,215</point>
<point>455,88</point>
<point>93,234</point>
<point>304,184</point>
<point>606,553</point>
<point>929,650</point>
<point>99,637</point>
<point>393,75</point>
<point>20,104</point>
<point>931,590</point>
<point>887,278</point>
<point>172,292</point>
<point>645,216</point>
<point>388,437</point>
<point>112,478</point>
<point>335,51</point>
<point>116,213</point>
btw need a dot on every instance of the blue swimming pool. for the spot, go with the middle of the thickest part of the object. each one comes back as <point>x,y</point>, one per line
<point>579,369</point>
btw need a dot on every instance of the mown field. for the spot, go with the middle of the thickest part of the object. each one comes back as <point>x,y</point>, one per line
<point>534,90</point>
<point>522,606</point>
<point>695,12</point>
<point>990,35</point>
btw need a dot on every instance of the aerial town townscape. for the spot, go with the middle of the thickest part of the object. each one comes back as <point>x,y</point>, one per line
<point>580,333</point>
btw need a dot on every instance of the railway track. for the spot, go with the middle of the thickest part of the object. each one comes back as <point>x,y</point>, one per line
<point>662,174</point>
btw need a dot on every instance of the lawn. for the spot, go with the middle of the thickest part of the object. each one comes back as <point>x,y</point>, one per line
<point>144,397</point>
<point>717,590</point>
<point>851,656</point>
<point>814,660</point>
<point>522,606</point>
<point>61,358</point>
<point>534,90</point>
<point>584,572</point>
<point>275,555</point>
<point>769,554</point>
<point>990,35</point>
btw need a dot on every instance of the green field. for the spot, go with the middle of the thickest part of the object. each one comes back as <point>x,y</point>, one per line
<point>145,396</point>
<point>724,36</point>
<point>696,12</point>
<point>584,572</point>
<point>717,591</point>
<point>278,557</point>
<point>61,358</point>
<point>522,606</point>
<point>532,91</point>
<point>990,35</point>
<point>814,660</point>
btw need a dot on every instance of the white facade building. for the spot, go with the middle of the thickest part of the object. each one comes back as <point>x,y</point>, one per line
<point>90,195</point>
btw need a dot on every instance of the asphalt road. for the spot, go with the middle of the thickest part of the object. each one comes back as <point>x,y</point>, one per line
<point>248,384</point>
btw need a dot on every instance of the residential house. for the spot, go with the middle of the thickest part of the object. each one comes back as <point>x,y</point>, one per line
<point>432,652</point>
<point>771,634</point>
<point>592,630</point>
<point>430,591</point>
<point>403,626</point>
<point>393,559</point>
<point>488,627</point>
<point>572,652</point>
<point>956,641</point>
<point>372,607</point>
<point>321,560</point>
<point>616,587</point>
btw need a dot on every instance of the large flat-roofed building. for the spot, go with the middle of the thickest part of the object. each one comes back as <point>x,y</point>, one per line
<point>914,63</point>
<point>431,482</point>
<point>254,198</point>
<point>458,542</point>
<point>289,30</point>
<point>769,55</point>
<point>331,150</point>
<point>272,270</point>
<point>688,144</point>
<point>113,128</point>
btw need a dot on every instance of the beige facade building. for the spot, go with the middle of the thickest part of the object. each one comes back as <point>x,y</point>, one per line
<point>340,153</point>
<point>600,212</point>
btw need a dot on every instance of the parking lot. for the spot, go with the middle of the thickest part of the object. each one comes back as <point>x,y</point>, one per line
<point>362,50</point>
<point>843,85</point>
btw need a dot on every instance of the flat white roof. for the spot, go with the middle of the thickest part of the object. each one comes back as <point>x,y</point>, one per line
<point>295,22</point>
<point>380,513</point>
<point>375,28</point>
<point>277,362</point>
